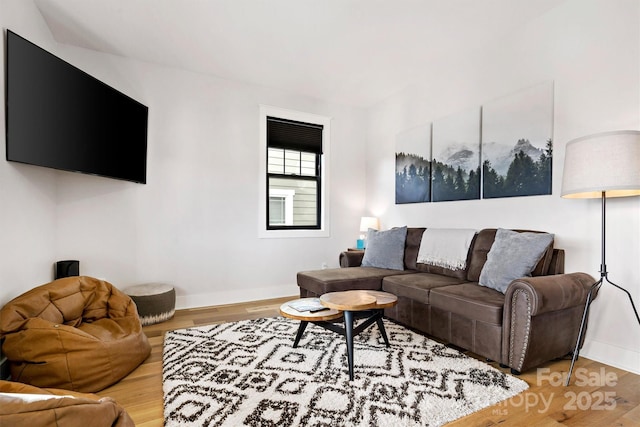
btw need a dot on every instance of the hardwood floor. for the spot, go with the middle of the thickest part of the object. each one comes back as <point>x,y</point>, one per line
<point>599,395</point>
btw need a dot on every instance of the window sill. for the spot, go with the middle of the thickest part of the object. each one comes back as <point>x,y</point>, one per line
<point>297,234</point>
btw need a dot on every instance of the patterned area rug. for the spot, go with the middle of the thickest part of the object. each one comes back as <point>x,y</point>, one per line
<point>247,373</point>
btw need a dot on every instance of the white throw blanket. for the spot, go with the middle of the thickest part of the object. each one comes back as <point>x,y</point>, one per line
<point>446,247</point>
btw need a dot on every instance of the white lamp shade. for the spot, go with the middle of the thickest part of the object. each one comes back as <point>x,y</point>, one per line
<point>367,222</point>
<point>606,162</point>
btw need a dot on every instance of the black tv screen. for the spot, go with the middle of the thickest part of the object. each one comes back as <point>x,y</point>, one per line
<point>60,117</point>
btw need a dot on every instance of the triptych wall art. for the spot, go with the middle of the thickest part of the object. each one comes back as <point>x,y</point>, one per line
<point>502,149</point>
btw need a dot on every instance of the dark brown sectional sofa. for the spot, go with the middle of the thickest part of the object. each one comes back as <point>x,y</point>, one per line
<point>536,320</point>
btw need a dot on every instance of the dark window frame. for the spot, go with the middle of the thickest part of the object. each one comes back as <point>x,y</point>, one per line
<point>305,141</point>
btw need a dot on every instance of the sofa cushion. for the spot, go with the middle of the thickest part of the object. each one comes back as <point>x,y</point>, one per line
<point>471,301</point>
<point>513,255</point>
<point>481,246</point>
<point>412,246</point>
<point>343,279</point>
<point>416,286</point>
<point>543,266</point>
<point>385,249</point>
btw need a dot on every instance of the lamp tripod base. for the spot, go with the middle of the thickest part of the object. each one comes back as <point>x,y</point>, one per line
<point>583,324</point>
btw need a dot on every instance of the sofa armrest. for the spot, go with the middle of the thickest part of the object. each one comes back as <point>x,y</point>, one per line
<point>551,293</point>
<point>541,318</point>
<point>557,262</point>
<point>351,258</point>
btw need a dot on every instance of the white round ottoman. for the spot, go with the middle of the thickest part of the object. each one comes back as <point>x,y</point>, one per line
<point>156,302</point>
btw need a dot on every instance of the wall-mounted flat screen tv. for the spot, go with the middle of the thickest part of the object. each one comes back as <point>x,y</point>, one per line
<point>60,117</point>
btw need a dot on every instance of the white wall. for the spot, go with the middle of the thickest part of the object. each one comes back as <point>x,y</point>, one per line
<point>27,193</point>
<point>195,223</point>
<point>591,50</point>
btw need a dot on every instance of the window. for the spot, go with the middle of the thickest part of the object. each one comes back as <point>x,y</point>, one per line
<point>293,167</point>
<point>293,149</point>
<point>281,206</point>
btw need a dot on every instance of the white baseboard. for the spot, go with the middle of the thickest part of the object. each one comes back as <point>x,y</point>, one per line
<point>234,296</point>
<point>617,357</point>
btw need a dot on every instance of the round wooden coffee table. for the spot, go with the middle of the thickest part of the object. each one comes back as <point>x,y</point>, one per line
<point>287,310</point>
<point>361,303</point>
<point>358,300</point>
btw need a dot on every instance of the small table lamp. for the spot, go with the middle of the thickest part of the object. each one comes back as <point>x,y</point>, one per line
<point>367,222</point>
<point>601,166</point>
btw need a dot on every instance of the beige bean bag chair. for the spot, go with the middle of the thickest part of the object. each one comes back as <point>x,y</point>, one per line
<point>25,405</point>
<point>76,333</point>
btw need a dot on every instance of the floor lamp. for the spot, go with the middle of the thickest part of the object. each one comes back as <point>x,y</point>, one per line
<point>603,166</point>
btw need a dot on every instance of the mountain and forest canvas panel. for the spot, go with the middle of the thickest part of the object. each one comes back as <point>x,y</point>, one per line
<point>517,144</point>
<point>413,165</point>
<point>455,165</point>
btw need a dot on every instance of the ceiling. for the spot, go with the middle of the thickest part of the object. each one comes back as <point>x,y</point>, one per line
<point>356,52</point>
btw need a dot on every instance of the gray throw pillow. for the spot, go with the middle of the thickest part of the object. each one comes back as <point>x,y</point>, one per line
<point>513,255</point>
<point>385,249</point>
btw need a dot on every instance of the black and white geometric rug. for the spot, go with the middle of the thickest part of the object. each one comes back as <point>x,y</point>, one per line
<point>248,373</point>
